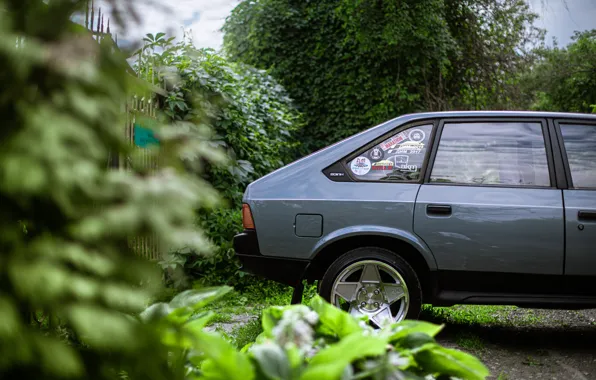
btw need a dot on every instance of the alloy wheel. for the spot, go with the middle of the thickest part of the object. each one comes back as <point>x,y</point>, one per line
<point>372,288</point>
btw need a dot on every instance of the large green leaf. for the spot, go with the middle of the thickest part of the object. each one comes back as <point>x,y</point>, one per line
<point>156,312</point>
<point>333,319</point>
<point>272,361</point>
<point>402,329</point>
<point>198,298</point>
<point>271,316</point>
<point>440,360</point>
<point>222,362</point>
<point>331,362</point>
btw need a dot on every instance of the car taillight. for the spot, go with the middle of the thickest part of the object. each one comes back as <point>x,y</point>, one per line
<point>247,221</point>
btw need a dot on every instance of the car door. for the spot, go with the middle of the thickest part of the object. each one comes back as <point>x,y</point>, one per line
<point>488,202</point>
<point>579,156</point>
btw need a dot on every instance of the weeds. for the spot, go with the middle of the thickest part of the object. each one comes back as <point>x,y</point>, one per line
<point>469,341</point>
<point>477,315</point>
<point>220,318</point>
<point>247,333</point>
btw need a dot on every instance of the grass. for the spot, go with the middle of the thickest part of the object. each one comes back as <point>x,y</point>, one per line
<point>503,376</point>
<point>254,298</point>
<point>247,333</point>
<point>469,341</point>
<point>476,315</point>
<point>220,318</point>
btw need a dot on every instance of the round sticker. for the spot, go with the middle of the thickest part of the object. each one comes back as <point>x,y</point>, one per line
<point>417,135</point>
<point>360,166</point>
<point>376,154</point>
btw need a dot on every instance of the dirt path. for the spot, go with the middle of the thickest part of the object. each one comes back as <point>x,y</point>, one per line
<point>557,345</point>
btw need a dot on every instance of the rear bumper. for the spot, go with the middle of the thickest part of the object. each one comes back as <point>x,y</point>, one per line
<point>279,269</point>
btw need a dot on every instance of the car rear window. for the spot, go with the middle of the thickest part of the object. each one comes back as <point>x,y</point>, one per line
<point>398,158</point>
<point>492,153</point>
<point>580,144</point>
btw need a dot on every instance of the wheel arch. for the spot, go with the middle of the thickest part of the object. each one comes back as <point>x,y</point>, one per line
<point>412,250</point>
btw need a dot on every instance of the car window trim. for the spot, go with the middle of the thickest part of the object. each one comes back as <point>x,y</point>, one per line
<point>385,136</point>
<point>562,176</point>
<point>545,137</point>
<point>565,158</point>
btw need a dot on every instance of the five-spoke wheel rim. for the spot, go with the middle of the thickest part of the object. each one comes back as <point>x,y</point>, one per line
<point>372,288</point>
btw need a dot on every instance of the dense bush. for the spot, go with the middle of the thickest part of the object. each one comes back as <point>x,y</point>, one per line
<point>352,64</point>
<point>564,79</point>
<point>253,120</point>
<point>321,342</point>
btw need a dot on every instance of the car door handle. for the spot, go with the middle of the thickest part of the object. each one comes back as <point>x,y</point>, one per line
<point>586,215</point>
<point>438,209</point>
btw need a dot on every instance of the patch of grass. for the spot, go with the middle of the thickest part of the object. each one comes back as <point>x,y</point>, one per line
<point>254,298</point>
<point>247,333</point>
<point>503,376</point>
<point>220,318</point>
<point>474,315</point>
<point>469,341</point>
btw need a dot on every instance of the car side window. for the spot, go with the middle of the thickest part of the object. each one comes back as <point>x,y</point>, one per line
<point>580,145</point>
<point>492,153</point>
<point>398,158</point>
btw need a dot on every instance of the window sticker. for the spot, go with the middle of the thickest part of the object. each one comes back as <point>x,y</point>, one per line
<point>376,154</point>
<point>417,135</point>
<point>384,165</point>
<point>360,166</point>
<point>393,141</point>
<point>398,158</point>
<point>408,147</point>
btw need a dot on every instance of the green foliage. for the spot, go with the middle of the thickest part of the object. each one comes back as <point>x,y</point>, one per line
<point>353,64</point>
<point>69,283</point>
<point>564,79</point>
<point>320,342</point>
<point>253,121</point>
<point>247,333</point>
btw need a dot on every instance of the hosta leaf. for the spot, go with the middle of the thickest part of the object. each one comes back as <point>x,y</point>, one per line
<point>156,312</point>
<point>330,362</point>
<point>222,362</point>
<point>198,298</point>
<point>333,319</point>
<point>272,361</point>
<point>404,328</point>
<point>445,361</point>
<point>271,316</point>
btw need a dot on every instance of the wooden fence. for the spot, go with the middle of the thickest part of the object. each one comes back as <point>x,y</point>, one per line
<point>146,106</point>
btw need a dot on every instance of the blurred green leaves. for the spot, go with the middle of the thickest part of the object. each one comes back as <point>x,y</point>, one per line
<point>70,285</point>
<point>295,345</point>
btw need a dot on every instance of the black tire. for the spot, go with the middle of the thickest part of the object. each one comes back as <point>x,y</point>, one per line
<point>385,256</point>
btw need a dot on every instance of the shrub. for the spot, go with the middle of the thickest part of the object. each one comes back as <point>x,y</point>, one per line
<point>253,120</point>
<point>69,282</point>
<point>318,342</point>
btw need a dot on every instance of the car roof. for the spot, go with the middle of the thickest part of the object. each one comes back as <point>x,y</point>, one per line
<point>541,114</point>
<point>305,167</point>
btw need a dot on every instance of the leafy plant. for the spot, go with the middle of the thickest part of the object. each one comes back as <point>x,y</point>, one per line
<point>69,281</point>
<point>253,120</point>
<point>352,64</point>
<point>316,342</point>
<point>564,79</point>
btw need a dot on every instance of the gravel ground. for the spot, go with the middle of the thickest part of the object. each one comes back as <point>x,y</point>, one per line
<point>560,345</point>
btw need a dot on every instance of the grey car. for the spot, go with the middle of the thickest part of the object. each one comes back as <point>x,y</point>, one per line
<point>435,208</point>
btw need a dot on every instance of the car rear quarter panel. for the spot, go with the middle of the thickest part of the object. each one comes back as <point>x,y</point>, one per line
<point>348,209</point>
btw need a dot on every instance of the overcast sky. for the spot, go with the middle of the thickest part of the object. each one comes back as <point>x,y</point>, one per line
<point>205,17</point>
